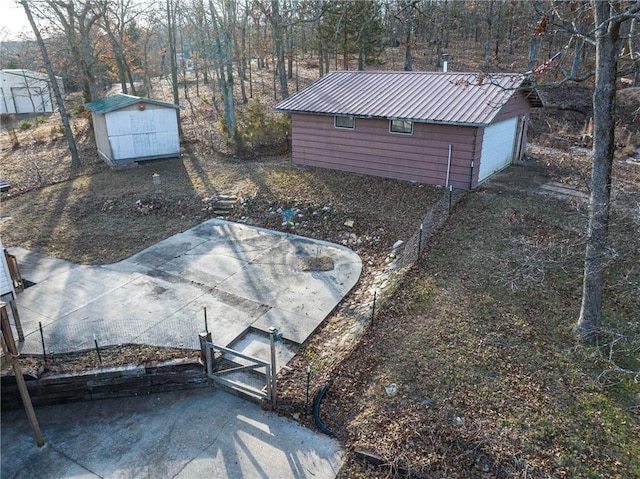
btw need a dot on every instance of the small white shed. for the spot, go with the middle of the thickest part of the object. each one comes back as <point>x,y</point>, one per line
<point>26,91</point>
<point>129,129</point>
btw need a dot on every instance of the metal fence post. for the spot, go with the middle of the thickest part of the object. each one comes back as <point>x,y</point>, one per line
<point>204,337</point>
<point>208,358</point>
<point>273,337</point>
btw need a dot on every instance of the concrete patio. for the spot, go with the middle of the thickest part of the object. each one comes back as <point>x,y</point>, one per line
<point>248,279</point>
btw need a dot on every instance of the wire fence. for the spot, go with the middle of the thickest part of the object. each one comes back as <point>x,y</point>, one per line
<point>61,338</point>
<point>365,315</point>
<point>182,331</point>
<point>434,219</point>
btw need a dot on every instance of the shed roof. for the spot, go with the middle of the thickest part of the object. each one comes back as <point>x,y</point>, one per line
<point>115,102</point>
<point>428,97</point>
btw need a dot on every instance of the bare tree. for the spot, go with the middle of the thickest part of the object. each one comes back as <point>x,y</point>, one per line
<point>119,23</point>
<point>608,16</point>
<point>223,20</point>
<point>409,6</point>
<point>77,20</point>
<point>171,29</point>
<point>75,159</point>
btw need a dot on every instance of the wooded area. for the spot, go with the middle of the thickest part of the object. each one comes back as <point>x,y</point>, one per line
<point>208,48</point>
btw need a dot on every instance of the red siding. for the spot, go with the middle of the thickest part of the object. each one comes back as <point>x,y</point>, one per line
<point>371,149</point>
<point>516,106</point>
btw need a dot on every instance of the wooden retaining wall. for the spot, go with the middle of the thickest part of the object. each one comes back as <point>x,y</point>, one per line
<point>104,383</point>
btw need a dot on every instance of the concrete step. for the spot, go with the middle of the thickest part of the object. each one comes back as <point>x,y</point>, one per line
<point>226,202</point>
<point>256,344</point>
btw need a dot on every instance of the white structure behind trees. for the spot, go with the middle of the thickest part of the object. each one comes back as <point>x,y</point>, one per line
<point>27,91</point>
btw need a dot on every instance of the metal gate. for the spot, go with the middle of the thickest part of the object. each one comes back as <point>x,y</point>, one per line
<point>253,377</point>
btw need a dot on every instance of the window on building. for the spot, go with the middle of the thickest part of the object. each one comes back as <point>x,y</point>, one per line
<point>401,126</point>
<point>345,122</point>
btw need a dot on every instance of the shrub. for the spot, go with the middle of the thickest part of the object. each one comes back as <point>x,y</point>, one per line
<point>25,125</point>
<point>259,129</point>
<point>40,119</point>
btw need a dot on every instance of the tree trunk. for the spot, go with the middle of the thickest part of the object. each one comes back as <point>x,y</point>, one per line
<point>75,159</point>
<point>607,38</point>
<point>533,47</point>
<point>633,48</point>
<point>224,21</point>
<point>290,53</point>
<point>408,59</point>
<point>276,25</point>
<point>577,54</point>
<point>487,42</point>
<point>171,24</point>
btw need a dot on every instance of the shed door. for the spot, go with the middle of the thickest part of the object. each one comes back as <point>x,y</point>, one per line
<point>497,147</point>
<point>28,100</point>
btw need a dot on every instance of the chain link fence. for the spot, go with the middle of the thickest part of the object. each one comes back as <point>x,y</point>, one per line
<point>56,338</point>
<point>182,332</point>
<point>434,219</point>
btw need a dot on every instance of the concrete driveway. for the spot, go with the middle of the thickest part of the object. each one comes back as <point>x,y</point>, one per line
<point>247,278</point>
<point>188,435</point>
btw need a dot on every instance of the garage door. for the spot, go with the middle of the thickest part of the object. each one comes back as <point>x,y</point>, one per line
<point>28,100</point>
<point>497,147</point>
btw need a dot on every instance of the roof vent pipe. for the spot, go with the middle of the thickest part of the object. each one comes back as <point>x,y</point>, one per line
<point>445,62</point>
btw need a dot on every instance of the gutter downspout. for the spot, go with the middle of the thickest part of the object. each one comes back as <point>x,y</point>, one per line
<point>446,184</point>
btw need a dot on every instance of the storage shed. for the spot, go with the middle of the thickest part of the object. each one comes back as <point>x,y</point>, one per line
<point>450,129</point>
<point>26,91</point>
<point>129,129</point>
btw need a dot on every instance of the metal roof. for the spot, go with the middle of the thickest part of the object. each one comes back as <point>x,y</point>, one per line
<point>428,97</point>
<point>115,102</point>
<point>22,73</point>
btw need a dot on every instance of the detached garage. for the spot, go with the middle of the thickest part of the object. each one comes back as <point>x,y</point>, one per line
<point>450,129</point>
<point>26,91</point>
<point>129,129</point>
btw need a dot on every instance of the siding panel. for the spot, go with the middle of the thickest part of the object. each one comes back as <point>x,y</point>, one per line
<point>516,106</point>
<point>140,134</point>
<point>371,149</point>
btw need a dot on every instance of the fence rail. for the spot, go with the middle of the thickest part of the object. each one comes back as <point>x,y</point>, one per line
<point>238,371</point>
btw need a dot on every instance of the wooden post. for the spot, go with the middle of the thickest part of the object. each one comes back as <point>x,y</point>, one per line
<point>11,354</point>
<point>14,271</point>
<point>16,319</point>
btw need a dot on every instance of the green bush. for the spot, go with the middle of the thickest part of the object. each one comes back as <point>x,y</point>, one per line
<point>40,119</point>
<point>259,129</point>
<point>25,125</point>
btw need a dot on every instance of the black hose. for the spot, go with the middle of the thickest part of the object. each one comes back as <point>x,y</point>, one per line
<point>316,409</point>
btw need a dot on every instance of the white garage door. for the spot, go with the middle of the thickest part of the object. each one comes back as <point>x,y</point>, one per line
<point>28,100</point>
<point>497,147</point>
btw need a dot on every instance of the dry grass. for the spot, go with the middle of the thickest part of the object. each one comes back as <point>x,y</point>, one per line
<point>478,339</point>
